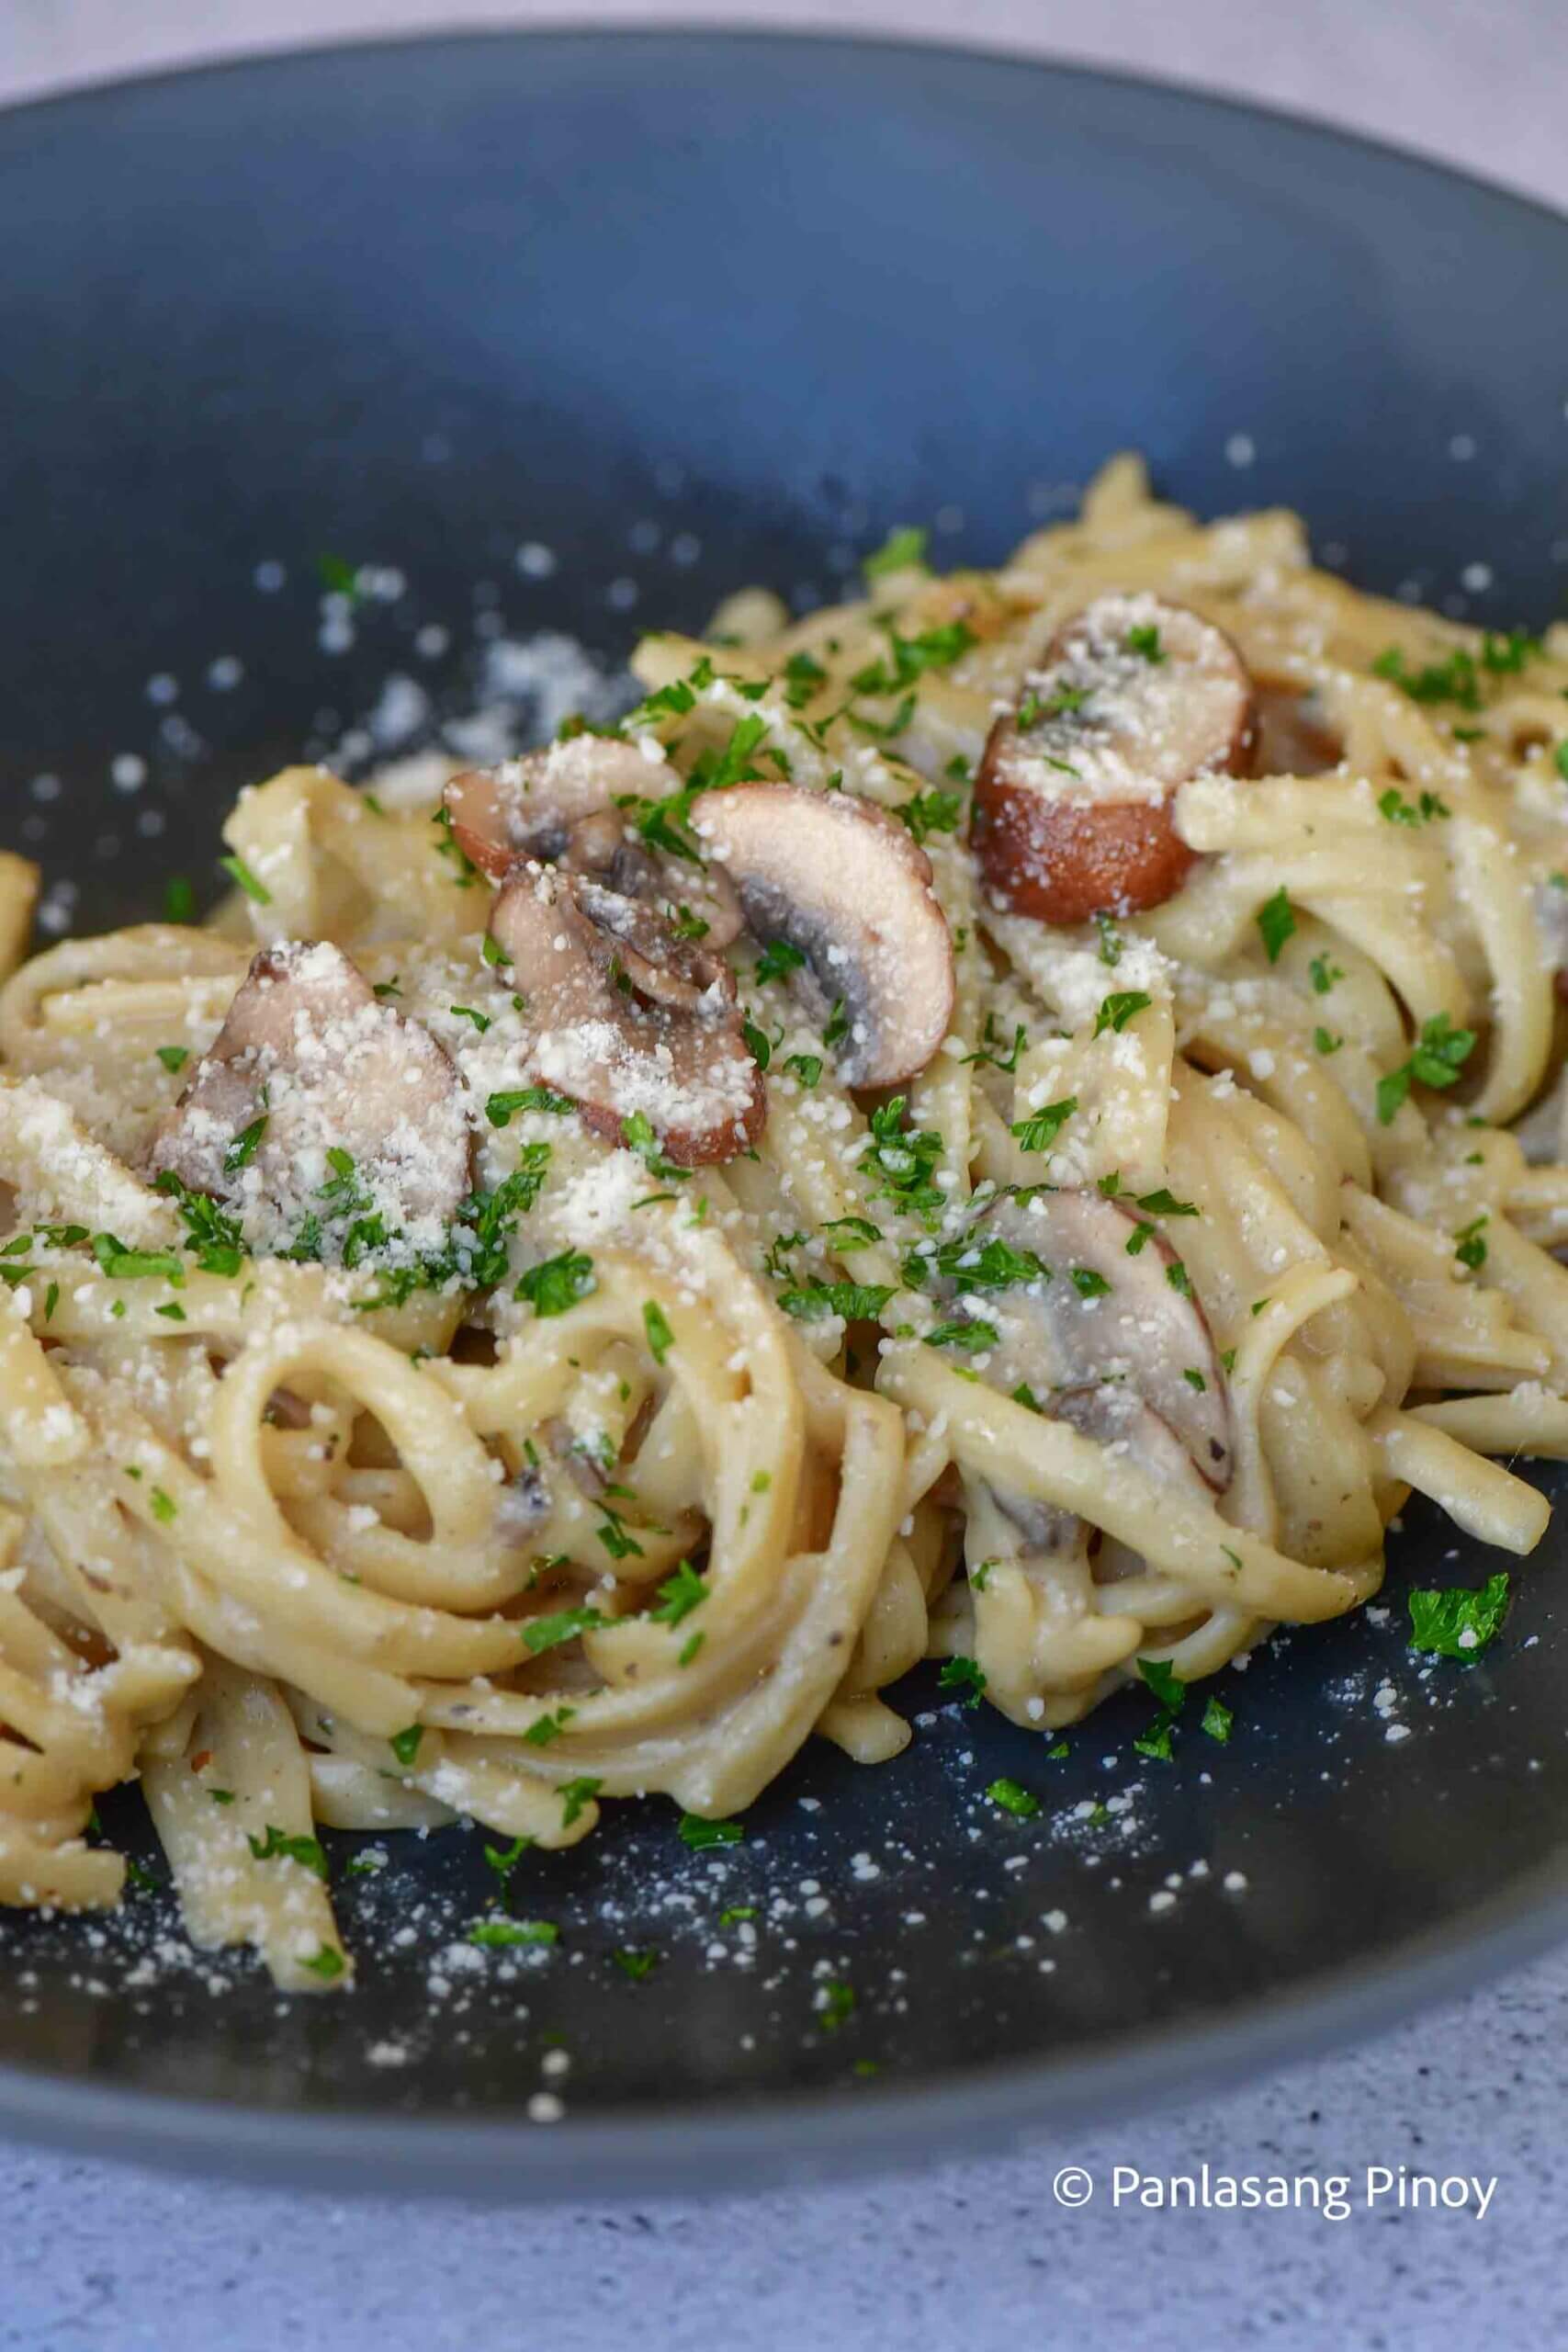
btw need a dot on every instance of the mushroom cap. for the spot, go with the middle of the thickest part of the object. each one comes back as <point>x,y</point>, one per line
<point>308,1044</point>
<point>564,803</point>
<point>845,885</point>
<point>629,1018</point>
<point>1074,794</point>
<point>1142,1333</point>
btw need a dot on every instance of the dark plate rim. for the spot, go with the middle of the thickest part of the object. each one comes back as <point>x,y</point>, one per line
<point>990,2109</point>
<point>696,29</point>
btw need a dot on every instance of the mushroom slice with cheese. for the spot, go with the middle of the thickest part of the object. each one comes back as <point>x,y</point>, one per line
<point>628,1018</point>
<point>1074,794</point>
<point>1080,1291</point>
<point>309,1066</point>
<point>571,805</point>
<point>847,888</point>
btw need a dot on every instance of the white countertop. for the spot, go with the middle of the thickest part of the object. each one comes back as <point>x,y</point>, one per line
<point>94,2259</point>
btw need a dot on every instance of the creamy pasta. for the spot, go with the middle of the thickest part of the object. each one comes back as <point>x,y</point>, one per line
<point>1013,1120</point>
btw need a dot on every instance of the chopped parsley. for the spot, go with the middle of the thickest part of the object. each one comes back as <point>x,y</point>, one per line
<point>240,874</point>
<point>276,1845</point>
<point>1325,1041</point>
<point>1217,1719</point>
<point>405,1744</point>
<point>1118,1008</point>
<point>903,1161</point>
<point>1163,1681</point>
<point>660,1338</point>
<point>963,1675</point>
<point>574,1795</point>
<point>989,1265</point>
<point>700,1835</point>
<point>1168,1688</point>
<point>503,1860</point>
<point>244,1147</point>
<point>835,2003</point>
<point>541,1633</point>
<point>778,959</point>
<point>901,548</point>
<point>936,649</point>
<point>1276,923</point>
<point>972,1337</point>
<point>1470,1246</point>
<point>635,1963</point>
<point>986,1051</point>
<point>179,899</point>
<point>123,1265</point>
<point>546,1729</point>
<point>1392,805</point>
<point>810,1301</point>
<point>1013,1797</point>
<point>1459,1623</point>
<point>1040,1130</point>
<point>930,812</point>
<point>554,1285</point>
<point>1089,1281</point>
<point>1163,1202</point>
<point>1458,678</point>
<point>327,1962</point>
<point>464,872</point>
<point>1324,974</point>
<point>678,1595</point>
<point>500,1934</point>
<point>499,1109</point>
<point>803,675</point>
<point>1437,1061</point>
<point>1144,641</point>
<point>174,1056</point>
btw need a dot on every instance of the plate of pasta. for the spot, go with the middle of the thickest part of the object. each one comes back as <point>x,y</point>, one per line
<point>789,1356</point>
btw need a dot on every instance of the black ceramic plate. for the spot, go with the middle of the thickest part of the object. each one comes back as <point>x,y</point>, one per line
<point>687,309</point>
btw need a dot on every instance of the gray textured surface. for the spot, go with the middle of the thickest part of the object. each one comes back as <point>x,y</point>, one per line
<point>978,2255</point>
<point>94,2259</point>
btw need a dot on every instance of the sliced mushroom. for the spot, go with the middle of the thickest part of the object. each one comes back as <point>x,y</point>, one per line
<point>846,886</point>
<point>1294,734</point>
<point>564,805</point>
<point>629,1018</point>
<point>1073,797</point>
<point>310,1060</point>
<point>1132,1362</point>
<point>1142,1330</point>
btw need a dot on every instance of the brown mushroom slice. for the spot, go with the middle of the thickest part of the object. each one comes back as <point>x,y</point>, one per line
<point>1294,737</point>
<point>1075,795</point>
<point>847,886</point>
<point>1140,1330</point>
<point>564,804</point>
<point>628,1018</point>
<point>310,1060</point>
